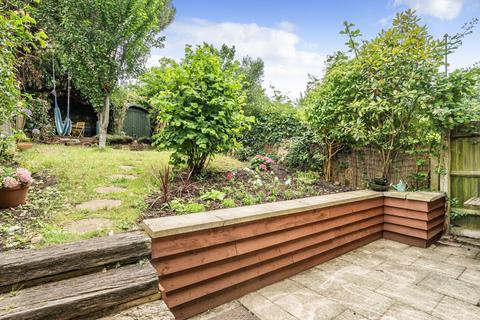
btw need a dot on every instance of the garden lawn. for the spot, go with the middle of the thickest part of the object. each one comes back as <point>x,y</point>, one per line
<point>78,171</point>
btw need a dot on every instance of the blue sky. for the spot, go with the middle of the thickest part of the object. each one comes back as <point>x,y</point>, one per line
<point>293,37</point>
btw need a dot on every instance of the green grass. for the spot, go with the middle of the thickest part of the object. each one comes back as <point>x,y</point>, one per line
<point>81,170</point>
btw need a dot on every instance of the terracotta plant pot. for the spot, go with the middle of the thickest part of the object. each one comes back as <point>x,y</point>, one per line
<point>24,145</point>
<point>13,197</point>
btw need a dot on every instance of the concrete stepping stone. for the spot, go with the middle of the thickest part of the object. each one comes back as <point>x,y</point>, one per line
<point>127,168</point>
<point>122,176</point>
<point>88,225</point>
<point>103,190</point>
<point>97,204</point>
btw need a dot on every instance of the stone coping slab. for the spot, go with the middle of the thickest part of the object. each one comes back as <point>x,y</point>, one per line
<point>424,196</point>
<point>167,226</point>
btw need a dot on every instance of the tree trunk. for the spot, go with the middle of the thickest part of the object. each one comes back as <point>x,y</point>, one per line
<point>103,117</point>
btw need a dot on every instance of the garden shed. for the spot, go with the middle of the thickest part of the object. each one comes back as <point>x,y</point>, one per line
<point>137,122</point>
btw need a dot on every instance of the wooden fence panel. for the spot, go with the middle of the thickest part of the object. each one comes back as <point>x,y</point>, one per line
<point>465,168</point>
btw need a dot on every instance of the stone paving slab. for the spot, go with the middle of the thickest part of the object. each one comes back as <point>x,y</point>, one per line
<point>435,266</point>
<point>450,308</point>
<point>452,287</point>
<point>472,263</point>
<point>301,302</point>
<point>156,310</point>
<point>412,295</point>
<point>470,275</point>
<point>105,190</point>
<point>405,312</point>
<point>434,286</point>
<point>264,308</point>
<point>457,250</point>
<point>98,204</point>
<point>88,225</point>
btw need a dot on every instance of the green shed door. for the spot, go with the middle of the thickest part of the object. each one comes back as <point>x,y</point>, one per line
<point>137,123</point>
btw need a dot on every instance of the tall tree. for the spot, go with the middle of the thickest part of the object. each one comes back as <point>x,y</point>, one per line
<point>104,42</point>
<point>330,108</point>
<point>403,99</point>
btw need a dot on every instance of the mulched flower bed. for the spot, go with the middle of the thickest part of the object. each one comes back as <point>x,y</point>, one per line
<point>18,225</point>
<point>217,190</point>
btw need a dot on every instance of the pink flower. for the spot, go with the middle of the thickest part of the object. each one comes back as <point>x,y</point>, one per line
<point>262,166</point>
<point>24,175</point>
<point>10,182</point>
<point>229,175</point>
<point>269,160</point>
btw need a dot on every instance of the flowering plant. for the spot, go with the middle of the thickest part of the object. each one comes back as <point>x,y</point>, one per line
<point>12,178</point>
<point>261,163</point>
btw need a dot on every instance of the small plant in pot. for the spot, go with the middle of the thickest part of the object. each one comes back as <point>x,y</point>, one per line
<point>23,142</point>
<point>378,184</point>
<point>14,186</point>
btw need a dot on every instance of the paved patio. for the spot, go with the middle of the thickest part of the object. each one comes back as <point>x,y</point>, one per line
<point>382,280</point>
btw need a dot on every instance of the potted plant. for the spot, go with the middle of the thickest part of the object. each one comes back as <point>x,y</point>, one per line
<point>379,184</point>
<point>21,118</point>
<point>23,142</point>
<point>14,186</point>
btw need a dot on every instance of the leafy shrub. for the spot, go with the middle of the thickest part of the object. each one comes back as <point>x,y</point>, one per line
<point>180,207</point>
<point>308,177</point>
<point>193,207</point>
<point>40,118</point>
<point>228,203</point>
<point>199,101</point>
<point>7,148</point>
<point>213,195</point>
<point>261,163</point>
<point>273,123</point>
<point>305,153</point>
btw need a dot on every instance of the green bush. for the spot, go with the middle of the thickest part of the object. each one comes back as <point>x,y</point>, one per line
<point>212,195</point>
<point>200,102</point>
<point>305,153</point>
<point>273,124</point>
<point>191,207</point>
<point>228,203</point>
<point>40,118</point>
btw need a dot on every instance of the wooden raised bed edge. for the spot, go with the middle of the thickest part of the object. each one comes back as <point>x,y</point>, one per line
<point>206,259</point>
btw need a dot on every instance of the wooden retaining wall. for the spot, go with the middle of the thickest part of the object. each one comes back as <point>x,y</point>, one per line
<point>206,259</point>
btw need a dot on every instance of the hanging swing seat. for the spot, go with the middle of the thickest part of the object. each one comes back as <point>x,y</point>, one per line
<point>63,127</point>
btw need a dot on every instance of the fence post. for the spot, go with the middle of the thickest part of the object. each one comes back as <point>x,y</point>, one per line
<point>445,185</point>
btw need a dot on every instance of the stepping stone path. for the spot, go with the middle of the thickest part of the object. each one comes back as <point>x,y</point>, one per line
<point>122,176</point>
<point>103,190</point>
<point>127,168</point>
<point>94,205</point>
<point>88,225</point>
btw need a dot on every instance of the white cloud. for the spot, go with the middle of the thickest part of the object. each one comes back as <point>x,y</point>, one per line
<point>442,9</point>
<point>287,26</point>
<point>286,65</point>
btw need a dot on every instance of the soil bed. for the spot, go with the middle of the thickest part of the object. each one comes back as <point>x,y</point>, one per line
<point>214,190</point>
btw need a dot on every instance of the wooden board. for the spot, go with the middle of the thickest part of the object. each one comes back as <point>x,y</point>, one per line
<point>19,266</point>
<point>81,296</point>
